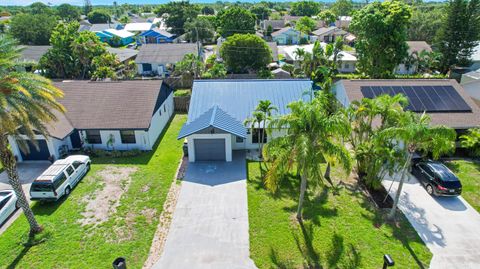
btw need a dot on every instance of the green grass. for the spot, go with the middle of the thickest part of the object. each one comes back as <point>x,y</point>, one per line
<point>182,92</point>
<point>469,174</point>
<point>128,233</point>
<point>341,230</point>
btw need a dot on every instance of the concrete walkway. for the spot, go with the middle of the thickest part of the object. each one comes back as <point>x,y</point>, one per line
<point>210,223</point>
<point>449,226</point>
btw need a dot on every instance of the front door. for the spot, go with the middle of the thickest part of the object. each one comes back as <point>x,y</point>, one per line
<point>75,139</point>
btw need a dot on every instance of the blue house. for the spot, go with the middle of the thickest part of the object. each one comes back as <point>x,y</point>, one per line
<point>288,36</point>
<point>123,37</point>
<point>155,36</point>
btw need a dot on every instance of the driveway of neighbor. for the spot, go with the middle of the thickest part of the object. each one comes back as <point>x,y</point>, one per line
<point>449,226</point>
<point>210,222</point>
<point>28,172</point>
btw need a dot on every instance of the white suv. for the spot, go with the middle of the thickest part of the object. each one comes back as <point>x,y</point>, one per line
<point>60,178</point>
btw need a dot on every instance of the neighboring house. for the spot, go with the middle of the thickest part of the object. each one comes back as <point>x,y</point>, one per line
<point>104,115</point>
<point>475,58</point>
<point>414,47</point>
<point>288,36</point>
<point>343,22</point>
<point>32,55</point>
<point>329,34</point>
<point>274,49</point>
<point>276,24</point>
<point>445,101</point>
<point>218,109</point>
<point>124,55</point>
<point>99,27</point>
<point>138,27</point>
<point>279,73</point>
<point>155,36</point>
<point>124,37</point>
<point>471,83</point>
<point>158,59</point>
<point>348,61</point>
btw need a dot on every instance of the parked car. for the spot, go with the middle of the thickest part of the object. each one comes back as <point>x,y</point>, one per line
<point>8,204</point>
<point>436,178</point>
<point>60,178</point>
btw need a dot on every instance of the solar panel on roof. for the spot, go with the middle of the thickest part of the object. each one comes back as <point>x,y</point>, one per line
<point>423,98</point>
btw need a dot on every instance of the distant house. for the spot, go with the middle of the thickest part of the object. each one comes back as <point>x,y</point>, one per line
<point>275,24</point>
<point>99,27</point>
<point>155,36</point>
<point>288,36</point>
<point>444,100</point>
<point>348,61</point>
<point>122,115</point>
<point>329,34</point>
<point>475,58</point>
<point>471,83</point>
<point>123,55</point>
<point>158,59</point>
<point>218,108</point>
<point>343,22</point>
<point>32,54</point>
<point>138,27</point>
<point>279,73</point>
<point>414,47</point>
<point>124,37</point>
<point>274,49</point>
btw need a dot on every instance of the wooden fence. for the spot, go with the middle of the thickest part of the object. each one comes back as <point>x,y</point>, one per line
<point>181,103</point>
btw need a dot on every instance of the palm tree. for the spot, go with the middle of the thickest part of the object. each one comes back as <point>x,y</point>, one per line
<point>261,115</point>
<point>28,101</point>
<point>312,136</point>
<point>417,135</point>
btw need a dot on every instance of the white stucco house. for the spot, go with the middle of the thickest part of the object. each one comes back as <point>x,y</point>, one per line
<point>122,115</point>
<point>471,83</point>
<point>219,108</point>
<point>414,47</point>
<point>159,59</point>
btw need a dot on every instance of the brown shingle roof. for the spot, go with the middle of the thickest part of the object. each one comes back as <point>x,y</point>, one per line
<point>106,105</point>
<point>458,120</point>
<point>33,53</point>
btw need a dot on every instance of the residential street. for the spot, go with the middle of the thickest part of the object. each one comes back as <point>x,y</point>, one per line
<point>449,226</point>
<point>210,222</point>
<point>28,172</point>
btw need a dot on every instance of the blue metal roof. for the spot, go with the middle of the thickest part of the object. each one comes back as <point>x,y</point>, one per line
<point>239,98</point>
<point>214,117</point>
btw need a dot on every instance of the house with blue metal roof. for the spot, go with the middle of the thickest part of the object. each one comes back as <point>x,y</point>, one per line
<point>218,109</point>
<point>155,36</point>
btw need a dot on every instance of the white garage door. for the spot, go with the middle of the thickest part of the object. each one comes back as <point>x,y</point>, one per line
<point>209,149</point>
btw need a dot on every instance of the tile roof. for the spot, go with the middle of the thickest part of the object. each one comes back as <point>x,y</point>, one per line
<point>106,105</point>
<point>457,120</point>
<point>33,53</point>
<point>239,97</point>
<point>217,118</point>
<point>276,24</point>
<point>164,53</point>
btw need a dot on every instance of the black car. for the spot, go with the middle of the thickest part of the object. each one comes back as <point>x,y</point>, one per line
<point>437,178</point>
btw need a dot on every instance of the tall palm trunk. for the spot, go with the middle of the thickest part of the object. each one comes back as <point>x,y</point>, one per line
<point>391,215</point>
<point>9,163</point>
<point>303,188</point>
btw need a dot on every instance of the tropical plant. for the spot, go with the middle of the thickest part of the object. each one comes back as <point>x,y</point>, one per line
<point>98,16</point>
<point>236,20</point>
<point>304,8</point>
<point>105,66</point>
<point>261,116</point>
<point>32,29</point>
<point>179,12</point>
<point>471,141</point>
<point>190,67</point>
<point>327,16</point>
<point>217,70</point>
<point>416,134</point>
<point>245,52</point>
<point>313,134</point>
<point>305,25</point>
<point>26,100</point>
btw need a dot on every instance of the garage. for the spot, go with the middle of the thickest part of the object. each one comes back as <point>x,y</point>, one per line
<point>209,149</point>
<point>34,154</point>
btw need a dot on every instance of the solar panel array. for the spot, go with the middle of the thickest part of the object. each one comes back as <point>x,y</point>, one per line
<point>423,98</point>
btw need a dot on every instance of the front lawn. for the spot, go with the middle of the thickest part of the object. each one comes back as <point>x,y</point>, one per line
<point>341,230</point>
<point>469,173</point>
<point>126,229</point>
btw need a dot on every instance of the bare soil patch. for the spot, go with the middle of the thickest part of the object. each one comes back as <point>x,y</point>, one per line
<point>104,202</point>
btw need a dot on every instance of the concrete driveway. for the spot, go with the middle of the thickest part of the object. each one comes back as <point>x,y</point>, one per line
<point>449,226</point>
<point>210,223</point>
<point>28,172</point>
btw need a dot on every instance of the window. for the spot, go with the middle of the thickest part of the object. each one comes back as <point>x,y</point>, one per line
<point>59,180</point>
<point>93,137</point>
<point>239,139</point>
<point>4,202</point>
<point>257,132</point>
<point>147,67</point>
<point>70,170</point>
<point>41,187</point>
<point>76,164</point>
<point>128,137</point>
<point>347,66</point>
